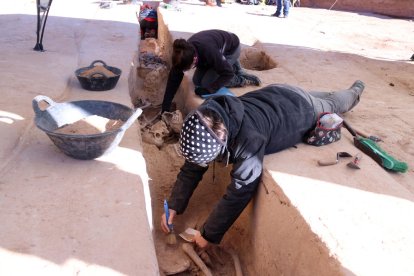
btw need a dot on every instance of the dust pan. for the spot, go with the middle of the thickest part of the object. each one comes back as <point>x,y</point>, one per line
<point>188,234</point>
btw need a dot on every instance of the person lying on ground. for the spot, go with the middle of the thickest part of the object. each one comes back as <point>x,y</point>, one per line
<point>241,131</point>
<point>215,55</point>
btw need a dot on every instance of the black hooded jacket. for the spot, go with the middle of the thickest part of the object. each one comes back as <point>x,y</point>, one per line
<point>211,47</point>
<point>261,122</point>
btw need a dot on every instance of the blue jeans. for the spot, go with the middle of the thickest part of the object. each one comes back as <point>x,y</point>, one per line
<point>286,6</point>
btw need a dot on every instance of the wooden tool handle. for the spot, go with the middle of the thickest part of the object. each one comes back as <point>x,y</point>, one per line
<point>349,128</point>
<point>327,163</point>
<point>361,133</point>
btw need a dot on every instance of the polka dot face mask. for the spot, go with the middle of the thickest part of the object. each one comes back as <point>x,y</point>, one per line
<point>198,143</point>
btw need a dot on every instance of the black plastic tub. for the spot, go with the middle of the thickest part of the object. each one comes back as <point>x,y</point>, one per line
<point>83,147</point>
<point>98,81</point>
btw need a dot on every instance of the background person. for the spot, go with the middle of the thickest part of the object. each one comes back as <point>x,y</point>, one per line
<point>148,22</point>
<point>215,55</point>
<point>286,6</point>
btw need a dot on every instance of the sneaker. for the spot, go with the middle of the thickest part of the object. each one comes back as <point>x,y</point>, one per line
<point>237,81</point>
<point>275,14</point>
<point>252,82</point>
<point>251,79</point>
<point>358,86</point>
<point>286,16</point>
<point>249,82</point>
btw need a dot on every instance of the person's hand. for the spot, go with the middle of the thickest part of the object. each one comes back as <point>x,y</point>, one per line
<point>199,240</point>
<point>164,226</point>
<point>200,91</point>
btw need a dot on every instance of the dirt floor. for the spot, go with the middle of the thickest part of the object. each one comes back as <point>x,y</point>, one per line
<point>316,49</point>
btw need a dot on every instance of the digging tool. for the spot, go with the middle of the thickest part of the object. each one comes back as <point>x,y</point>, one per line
<point>354,164</point>
<point>371,137</point>
<point>338,155</point>
<point>374,151</point>
<point>171,238</point>
<point>355,133</point>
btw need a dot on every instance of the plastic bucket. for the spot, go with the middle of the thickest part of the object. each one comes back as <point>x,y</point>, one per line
<point>84,147</point>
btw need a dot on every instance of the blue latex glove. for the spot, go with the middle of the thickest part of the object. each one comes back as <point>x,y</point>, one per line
<point>224,91</point>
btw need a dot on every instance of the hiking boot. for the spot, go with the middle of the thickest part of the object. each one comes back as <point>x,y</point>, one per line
<point>358,86</point>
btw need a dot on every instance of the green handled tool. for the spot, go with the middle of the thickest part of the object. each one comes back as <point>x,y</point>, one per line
<point>373,150</point>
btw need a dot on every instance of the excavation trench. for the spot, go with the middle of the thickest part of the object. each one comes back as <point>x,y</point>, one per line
<point>160,137</point>
<point>270,237</point>
<point>163,165</point>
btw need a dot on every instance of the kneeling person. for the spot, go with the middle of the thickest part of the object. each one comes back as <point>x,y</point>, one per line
<point>215,55</point>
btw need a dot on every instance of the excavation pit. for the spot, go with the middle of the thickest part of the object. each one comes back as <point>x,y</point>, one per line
<point>255,59</point>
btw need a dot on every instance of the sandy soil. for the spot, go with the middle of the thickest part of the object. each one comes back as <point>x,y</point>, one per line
<point>318,50</point>
<point>327,50</point>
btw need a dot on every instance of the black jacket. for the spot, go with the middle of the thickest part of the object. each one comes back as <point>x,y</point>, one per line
<point>261,122</point>
<point>211,47</point>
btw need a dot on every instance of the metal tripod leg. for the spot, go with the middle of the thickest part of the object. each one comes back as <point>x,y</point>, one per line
<point>42,7</point>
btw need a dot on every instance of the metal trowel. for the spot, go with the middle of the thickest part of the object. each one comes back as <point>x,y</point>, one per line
<point>333,162</point>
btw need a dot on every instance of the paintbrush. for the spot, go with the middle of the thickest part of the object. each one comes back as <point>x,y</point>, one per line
<point>171,238</point>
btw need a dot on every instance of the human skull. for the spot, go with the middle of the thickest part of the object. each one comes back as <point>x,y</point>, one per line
<point>174,120</point>
<point>155,134</point>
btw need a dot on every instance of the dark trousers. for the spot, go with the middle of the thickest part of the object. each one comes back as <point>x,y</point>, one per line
<point>204,77</point>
